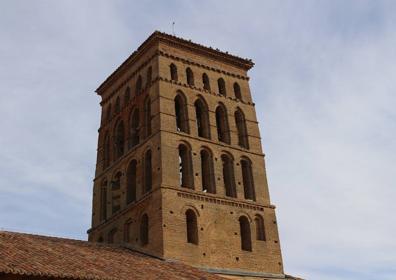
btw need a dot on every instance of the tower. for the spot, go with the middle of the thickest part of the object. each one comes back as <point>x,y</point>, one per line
<point>180,171</point>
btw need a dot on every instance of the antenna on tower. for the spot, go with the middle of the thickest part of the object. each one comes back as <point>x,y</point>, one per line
<point>173,28</point>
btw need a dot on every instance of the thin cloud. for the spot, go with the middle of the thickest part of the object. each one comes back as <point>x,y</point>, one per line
<point>323,78</point>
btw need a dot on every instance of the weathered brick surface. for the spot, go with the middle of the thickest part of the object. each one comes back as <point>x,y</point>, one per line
<point>219,245</point>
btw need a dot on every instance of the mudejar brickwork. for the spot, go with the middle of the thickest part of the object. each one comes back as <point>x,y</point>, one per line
<point>180,170</point>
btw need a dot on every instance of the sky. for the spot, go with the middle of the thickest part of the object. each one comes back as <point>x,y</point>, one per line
<point>325,92</point>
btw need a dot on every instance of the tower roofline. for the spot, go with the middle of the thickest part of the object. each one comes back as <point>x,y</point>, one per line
<point>158,36</point>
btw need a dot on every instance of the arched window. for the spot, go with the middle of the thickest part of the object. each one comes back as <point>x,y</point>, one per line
<point>246,239</point>
<point>247,175</point>
<point>111,236</point>
<point>147,172</point>
<point>202,117</point>
<point>205,81</point>
<point>127,230</point>
<point>103,201</point>
<point>149,76</point>
<point>131,182</point>
<point>173,72</point>
<point>185,167</point>
<point>119,139</point>
<point>192,227</point>
<point>108,115</point>
<point>240,121</point>
<point>260,230</point>
<point>181,113</point>
<point>139,85</point>
<point>237,91</point>
<point>127,96</point>
<point>134,129</point>
<point>223,131</point>
<point>147,117</point>
<point>222,87</point>
<point>144,230</point>
<point>100,239</point>
<point>115,199</point>
<point>117,108</point>
<point>207,172</point>
<point>116,183</point>
<point>190,76</point>
<point>228,175</point>
<point>106,151</point>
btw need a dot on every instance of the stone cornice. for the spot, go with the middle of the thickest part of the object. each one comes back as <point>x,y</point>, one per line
<point>156,37</point>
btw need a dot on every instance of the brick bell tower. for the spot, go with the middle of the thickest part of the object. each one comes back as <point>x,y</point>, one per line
<point>180,171</point>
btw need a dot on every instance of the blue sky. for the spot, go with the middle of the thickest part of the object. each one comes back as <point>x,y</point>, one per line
<point>325,93</point>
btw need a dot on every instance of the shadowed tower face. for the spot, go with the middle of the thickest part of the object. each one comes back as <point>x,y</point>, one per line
<point>180,171</point>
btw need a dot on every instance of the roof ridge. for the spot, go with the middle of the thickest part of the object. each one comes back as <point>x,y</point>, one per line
<point>121,247</point>
<point>62,239</point>
<point>39,235</point>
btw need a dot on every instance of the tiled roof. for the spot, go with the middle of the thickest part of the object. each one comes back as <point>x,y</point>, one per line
<point>36,255</point>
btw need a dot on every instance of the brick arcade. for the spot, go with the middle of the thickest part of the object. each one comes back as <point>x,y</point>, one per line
<point>180,170</point>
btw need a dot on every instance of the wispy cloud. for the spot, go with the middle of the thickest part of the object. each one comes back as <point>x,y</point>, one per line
<point>323,78</point>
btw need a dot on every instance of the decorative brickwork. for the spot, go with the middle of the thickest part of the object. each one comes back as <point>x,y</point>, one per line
<point>180,170</point>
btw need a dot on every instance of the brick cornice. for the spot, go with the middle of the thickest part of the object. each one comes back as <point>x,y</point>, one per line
<point>156,37</point>
<point>186,61</point>
<point>218,199</point>
<point>190,62</point>
<point>219,144</point>
<point>243,63</point>
<point>158,78</point>
<point>185,85</point>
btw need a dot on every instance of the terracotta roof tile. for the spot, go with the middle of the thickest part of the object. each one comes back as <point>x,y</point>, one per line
<point>27,254</point>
